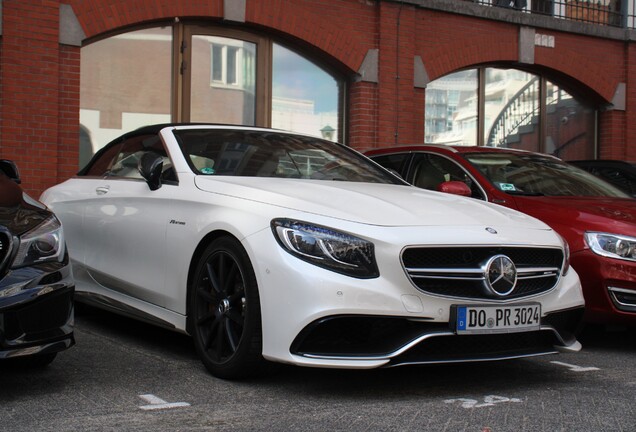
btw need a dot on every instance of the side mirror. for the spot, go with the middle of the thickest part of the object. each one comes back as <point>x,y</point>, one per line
<point>11,170</point>
<point>455,187</point>
<point>150,167</point>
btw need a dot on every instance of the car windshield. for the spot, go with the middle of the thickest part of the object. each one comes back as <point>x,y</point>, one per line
<point>532,174</point>
<point>221,152</point>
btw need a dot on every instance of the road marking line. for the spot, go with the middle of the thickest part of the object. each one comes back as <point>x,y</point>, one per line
<point>489,401</point>
<point>575,368</point>
<point>158,403</point>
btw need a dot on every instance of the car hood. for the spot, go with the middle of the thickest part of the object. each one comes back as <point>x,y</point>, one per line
<point>608,214</point>
<point>368,203</point>
<point>19,213</point>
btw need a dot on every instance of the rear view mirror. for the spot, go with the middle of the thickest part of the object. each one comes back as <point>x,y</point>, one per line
<point>10,169</point>
<point>150,167</point>
<point>455,187</point>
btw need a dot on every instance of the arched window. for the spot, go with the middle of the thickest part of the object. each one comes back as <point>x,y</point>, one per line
<point>509,108</point>
<point>195,73</point>
<point>304,96</point>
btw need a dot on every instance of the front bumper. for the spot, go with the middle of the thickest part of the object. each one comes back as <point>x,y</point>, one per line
<point>315,317</point>
<point>36,310</point>
<point>397,341</point>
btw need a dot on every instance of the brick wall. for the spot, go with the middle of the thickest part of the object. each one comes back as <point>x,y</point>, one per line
<point>39,77</point>
<point>29,71</point>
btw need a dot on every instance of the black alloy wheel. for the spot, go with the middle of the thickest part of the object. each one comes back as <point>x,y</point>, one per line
<point>225,311</point>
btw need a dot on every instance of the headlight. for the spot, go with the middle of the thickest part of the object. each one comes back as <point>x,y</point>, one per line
<point>43,243</point>
<point>327,248</point>
<point>612,245</point>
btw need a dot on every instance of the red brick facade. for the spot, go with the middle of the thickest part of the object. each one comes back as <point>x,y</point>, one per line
<point>39,76</point>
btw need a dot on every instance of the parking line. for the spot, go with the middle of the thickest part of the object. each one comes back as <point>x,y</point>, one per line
<point>156,403</point>
<point>575,368</point>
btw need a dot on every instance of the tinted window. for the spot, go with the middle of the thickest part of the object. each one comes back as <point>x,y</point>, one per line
<point>619,177</point>
<point>263,154</point>
<point>533,174</point>
<point>122,159</point>
<point>430,170</point>
<point>101,162</point>
<point>393,162</point>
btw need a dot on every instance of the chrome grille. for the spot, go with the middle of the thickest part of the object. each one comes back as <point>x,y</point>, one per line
<point>459,271</point>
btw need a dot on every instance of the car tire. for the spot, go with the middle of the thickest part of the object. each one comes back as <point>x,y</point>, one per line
<point>224,311</point>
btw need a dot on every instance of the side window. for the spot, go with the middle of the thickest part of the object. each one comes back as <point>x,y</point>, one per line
<point>393,162</point>
<point>102,162</point>
<point>618,177</point>
<point>123,160</point>
<point>430,170</point>
<point>127,160</point>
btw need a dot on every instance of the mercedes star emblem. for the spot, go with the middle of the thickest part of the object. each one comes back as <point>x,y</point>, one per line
<point>500,276</point>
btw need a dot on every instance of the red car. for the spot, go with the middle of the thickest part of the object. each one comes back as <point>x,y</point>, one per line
<point>597,219</point>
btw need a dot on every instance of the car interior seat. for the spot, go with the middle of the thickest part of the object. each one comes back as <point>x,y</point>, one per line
<point>428,177</point>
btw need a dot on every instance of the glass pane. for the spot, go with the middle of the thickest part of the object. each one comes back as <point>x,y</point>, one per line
<point>125,83</point>
<point>217,63</point>
<point>229,152</point>
<point>511,109</point>
<point>304,96</point>
<point>451,109</point>
<point>539,175</point>
<point>232,72</point>
<point>222,80</point>
<point>571,127</point>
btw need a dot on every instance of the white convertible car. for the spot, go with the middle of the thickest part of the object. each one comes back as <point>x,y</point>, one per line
<point>273,246</point>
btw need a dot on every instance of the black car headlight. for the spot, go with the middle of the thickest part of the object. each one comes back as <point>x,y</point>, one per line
<point>612,245</point>
<point>327,248</point>
<point>43,243</point>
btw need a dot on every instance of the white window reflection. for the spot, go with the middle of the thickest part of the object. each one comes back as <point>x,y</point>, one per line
<point>223,81</point>
<point>451,109</point>
<point>511,107</point>
<point>304,96</point>
<point>125,83</point>
<point>515,113</point>
<point>232,65</point>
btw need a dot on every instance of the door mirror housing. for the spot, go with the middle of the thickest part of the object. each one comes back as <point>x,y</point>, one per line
<point>11,170</point>
<point>455,187</point>
<point>150,168</point>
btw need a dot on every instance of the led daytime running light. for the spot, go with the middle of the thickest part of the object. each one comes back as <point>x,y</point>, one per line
<point>327,248</point>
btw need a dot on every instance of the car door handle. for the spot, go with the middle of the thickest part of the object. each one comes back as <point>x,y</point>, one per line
<point>101,190</point>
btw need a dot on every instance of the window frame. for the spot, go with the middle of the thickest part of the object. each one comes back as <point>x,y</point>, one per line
<point>543,82</point>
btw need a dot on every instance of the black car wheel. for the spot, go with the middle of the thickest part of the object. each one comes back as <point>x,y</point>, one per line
<point>225,316</point>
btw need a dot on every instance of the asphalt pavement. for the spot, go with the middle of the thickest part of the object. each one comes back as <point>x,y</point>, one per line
<point>128,376</point>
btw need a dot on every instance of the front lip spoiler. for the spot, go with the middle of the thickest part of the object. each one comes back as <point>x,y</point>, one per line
<point>47,348</point>
<point>563,347</point>
<point>573,347</point>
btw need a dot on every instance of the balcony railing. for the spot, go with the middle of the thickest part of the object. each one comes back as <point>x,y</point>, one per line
<point>614,13</point>
<point>522,108</point>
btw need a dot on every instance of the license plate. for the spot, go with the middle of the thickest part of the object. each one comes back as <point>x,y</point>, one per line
<point>502,319</point>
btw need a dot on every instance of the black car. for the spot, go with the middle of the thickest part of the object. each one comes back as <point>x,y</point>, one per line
<point>36,282</point>
<point>619,173</point>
